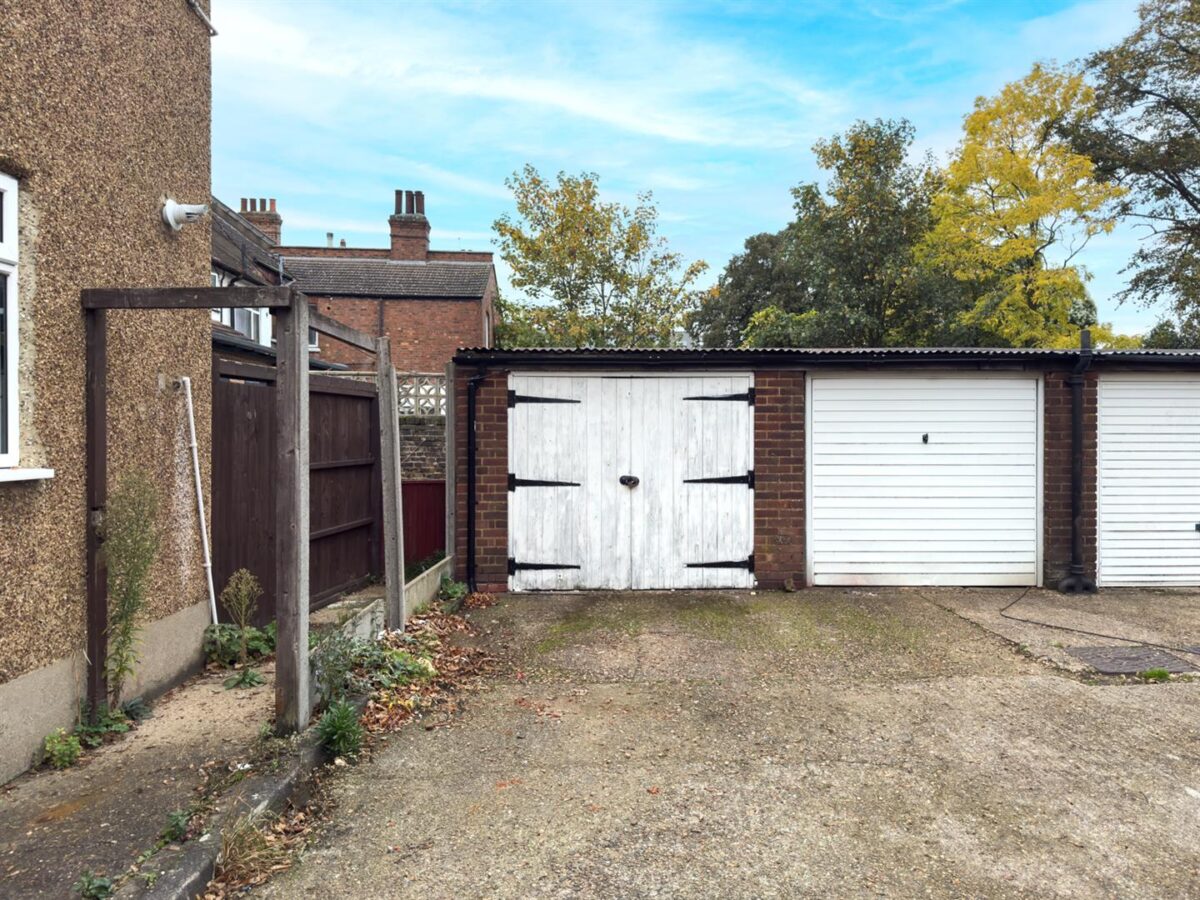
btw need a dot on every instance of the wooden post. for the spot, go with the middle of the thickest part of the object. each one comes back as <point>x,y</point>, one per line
<point>451,470</point>
<point>292,698</point>
<point>393,507</point>
<point>96,454</point>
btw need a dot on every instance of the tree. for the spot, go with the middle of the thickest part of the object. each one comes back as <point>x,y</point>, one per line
<point>1019,203</point>
<point>763,275</point>
<point>1168,334</point>
<point>596,272</point>
<point>845,273</point>
<point>1145,133</point>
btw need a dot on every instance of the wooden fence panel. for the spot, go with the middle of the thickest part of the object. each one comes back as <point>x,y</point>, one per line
<point>344,501</point>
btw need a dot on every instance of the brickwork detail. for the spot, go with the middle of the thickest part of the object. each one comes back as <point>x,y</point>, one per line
<point>423,448</point>
<point>425,333</point>
<point>491,472</point>
<point>779,507</point>
<point>1056,478</point>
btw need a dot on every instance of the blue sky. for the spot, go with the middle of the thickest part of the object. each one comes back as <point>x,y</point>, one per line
<point>330,106</point>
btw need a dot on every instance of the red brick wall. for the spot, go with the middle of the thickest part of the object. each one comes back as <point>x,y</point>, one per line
<point>779,478</point>
<point>491,486</point>
<point>425,333</point>
<point>1056,478</point>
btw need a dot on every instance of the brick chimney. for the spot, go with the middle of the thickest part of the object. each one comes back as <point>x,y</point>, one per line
<point>410,228</point>
<point>263,217</point>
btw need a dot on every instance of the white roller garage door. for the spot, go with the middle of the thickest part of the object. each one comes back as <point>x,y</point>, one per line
<point>924,480</point>
<point>630,482</point>
<point>1149,473</point>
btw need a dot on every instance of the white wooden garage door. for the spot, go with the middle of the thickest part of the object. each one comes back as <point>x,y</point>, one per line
<point>1149,494</point>
<point>630,482</point>
<point>924,480</point>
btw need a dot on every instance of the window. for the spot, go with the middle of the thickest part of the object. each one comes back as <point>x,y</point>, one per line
<point>9,407</point>
<point>253,323</point>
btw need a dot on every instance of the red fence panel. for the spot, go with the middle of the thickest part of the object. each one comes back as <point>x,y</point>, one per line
<point>424,519</point>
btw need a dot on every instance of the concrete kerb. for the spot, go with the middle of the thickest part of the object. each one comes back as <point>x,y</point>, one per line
<point>182,873</point>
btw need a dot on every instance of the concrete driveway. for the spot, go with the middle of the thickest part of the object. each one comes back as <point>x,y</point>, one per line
<point>825,743</point>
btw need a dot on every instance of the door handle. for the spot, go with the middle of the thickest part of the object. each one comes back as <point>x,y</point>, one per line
<point>630,481</point>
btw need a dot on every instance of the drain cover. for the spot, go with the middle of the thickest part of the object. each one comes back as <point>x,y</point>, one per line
<point>1128,660</point>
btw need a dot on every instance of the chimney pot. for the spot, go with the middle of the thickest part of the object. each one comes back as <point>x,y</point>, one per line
<point>253,205</point>
<point>409,203</point>
<point>262,204</point>
<point>343,244</point>
<point>329,239</point>
<point>272,204</point>
<point>420,203</point>
<point>399,202</point>
<point>244,204</point>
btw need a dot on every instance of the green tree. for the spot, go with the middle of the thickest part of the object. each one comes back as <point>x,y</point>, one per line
<point>597,273</point>
<point>845,273</point>
<point>1145,134</point>
<point>763,275</point>
<point>1019,203</point>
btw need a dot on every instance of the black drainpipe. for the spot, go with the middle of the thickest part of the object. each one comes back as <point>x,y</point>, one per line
<point>472,389</point>
<point>1077,581</point>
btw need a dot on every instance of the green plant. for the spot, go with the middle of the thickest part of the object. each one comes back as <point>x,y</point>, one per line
<point>452,594</point>
<point>245,678</point>
<point>240,599</point>
<point>339,729</point>
<point>223,643</point>
<point>1157,675</point>
<point>130,545</point>
<point>332,663</point>
<point>178,823</point>
<point>91,730</point>
<point>137,709</point>
<point>93,887</point>
<point>62,749</point>
<point>412,570</point>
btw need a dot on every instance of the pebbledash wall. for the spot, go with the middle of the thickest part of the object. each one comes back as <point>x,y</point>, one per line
<point>779,455</point>
<point>102,113</point>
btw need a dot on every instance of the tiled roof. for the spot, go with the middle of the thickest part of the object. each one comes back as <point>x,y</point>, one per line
<point>324,276</point>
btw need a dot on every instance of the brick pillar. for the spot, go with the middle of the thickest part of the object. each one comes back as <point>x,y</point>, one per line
<point>491,479</point>
<point>779,478</point>
<point>1056,478</point>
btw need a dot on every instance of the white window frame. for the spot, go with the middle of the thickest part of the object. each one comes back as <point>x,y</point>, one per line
<point>8,266</point>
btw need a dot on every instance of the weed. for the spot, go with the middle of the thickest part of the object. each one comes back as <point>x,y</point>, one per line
<point>412,570</point>
<point>247,853</point>
<point>245,678</point>
<point>178,823</point>
<point>223,643</point>
<point>136,710</point>
<point>1155,675</point>
<point>331,663</point>
<point>339,729</point>
<point>149,878</point>
<point>92,730</point>
<point>93,887</point>
<point>62,749</point>
<point>130,545</point>
<point>240,599</point>
<point>452,594</point>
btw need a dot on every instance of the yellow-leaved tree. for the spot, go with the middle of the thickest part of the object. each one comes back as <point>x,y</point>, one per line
<point>1019,204</point>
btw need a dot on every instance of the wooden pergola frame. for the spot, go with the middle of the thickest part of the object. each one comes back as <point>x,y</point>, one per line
<point>293,319</point>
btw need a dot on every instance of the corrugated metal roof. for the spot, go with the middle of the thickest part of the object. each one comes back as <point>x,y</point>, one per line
<point>783,355</point>
<point>326,276</point>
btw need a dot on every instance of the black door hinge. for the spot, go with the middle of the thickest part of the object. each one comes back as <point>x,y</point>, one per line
<point>514,567</point>
<point>747,479</point>
<point>747,563</point>
<point>747,397</point>
<point>514,482</point>
<point>514,398</point>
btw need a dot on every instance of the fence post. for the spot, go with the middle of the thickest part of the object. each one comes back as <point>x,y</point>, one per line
<point>96,449</point>
<point>393,507</point>
<point>293,702</point>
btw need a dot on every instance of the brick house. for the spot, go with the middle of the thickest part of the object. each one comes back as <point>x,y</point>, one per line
<point>430,302</point>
